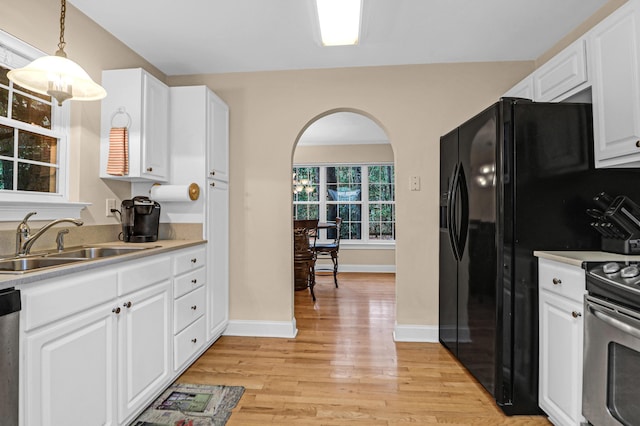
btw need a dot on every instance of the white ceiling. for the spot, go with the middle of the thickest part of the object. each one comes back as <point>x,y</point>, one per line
<point>219,36</point>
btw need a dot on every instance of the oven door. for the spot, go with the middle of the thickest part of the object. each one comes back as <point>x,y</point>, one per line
<point>611,364</point>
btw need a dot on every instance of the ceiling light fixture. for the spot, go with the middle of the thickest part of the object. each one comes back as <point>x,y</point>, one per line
<point>57,76</point>
<point>339,21</point>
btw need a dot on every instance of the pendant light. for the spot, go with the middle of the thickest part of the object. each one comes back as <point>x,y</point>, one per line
<point>57,76</point>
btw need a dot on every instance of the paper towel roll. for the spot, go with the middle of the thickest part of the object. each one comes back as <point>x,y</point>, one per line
<point>182,193</point>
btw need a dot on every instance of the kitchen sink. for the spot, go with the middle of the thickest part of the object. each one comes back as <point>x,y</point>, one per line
<point>20,265</point>
<point>88,252</point>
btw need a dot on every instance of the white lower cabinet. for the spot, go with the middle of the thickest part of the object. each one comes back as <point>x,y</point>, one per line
<point>98,346</point>
<point>561,292</point>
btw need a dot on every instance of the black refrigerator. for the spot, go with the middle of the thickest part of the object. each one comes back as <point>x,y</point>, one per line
<point>515,178</point>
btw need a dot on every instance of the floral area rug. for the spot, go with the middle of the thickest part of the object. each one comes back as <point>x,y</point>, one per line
<point>191,405</point>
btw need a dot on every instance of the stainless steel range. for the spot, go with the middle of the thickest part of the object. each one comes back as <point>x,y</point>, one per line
<point>612,344</point>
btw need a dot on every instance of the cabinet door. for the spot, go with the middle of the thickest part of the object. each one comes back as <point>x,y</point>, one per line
<point>144,347</point>
<point>155,116</point>
<point>561,328</point>
<point>69,371</point>
<point>218,134</point>
<point>562,73</point>
<point>217,259</point>
<point>616,90</point>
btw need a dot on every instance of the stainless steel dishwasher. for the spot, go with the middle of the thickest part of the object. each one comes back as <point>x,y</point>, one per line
<point>9,348</point>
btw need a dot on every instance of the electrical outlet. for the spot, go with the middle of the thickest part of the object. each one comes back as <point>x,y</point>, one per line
<point>415,183</point>
<point>110,204</point>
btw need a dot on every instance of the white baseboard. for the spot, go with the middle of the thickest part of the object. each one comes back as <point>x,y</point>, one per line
<point>357,268</point>
<point>415,333</point>
<point>282,329</point>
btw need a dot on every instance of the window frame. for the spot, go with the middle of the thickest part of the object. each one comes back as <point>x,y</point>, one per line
<point>364,241</point>
<point>14,205</point>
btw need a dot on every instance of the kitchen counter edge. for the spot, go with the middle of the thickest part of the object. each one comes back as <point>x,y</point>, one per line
<point>11,280</point>
<point>578,258</point>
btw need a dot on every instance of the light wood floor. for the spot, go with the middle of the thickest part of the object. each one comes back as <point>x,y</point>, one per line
<point>344,368</point>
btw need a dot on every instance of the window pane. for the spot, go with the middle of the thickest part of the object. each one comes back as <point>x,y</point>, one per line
<point>6,141</point>
<point>32,111</point>
<point>6,174</point>
<point>4,102</point>
<point>32,177</point>
<point>37,147</point>
<point>3,76</point>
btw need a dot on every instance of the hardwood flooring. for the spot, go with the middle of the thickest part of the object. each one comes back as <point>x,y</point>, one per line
<point>344,368</point>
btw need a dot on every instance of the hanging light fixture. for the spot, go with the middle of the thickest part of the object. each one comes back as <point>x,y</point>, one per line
<point>57,76</point>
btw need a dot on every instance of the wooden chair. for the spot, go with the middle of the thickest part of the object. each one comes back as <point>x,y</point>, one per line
<point>330,249</point>
<point>304,255</point>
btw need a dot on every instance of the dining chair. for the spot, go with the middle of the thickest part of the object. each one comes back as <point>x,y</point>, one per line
<point>304,255</point>
<point>331,249</point>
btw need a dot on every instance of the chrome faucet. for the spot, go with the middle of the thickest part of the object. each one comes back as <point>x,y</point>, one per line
<point>24,238</point>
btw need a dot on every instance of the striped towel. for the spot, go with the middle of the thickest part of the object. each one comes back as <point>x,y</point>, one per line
<point>118,162</point>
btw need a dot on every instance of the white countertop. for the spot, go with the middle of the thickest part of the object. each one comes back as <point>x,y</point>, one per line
<point>160,246</point>
<point>577,258</point>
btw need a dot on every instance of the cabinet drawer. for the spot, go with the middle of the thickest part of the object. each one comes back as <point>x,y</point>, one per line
<point>188,282</point>
<point>188,260</point>
<point>60,297</point>
<point>563,279</point>
<point>188,308</point>
<point>143,273</point>
<point>188,342</point>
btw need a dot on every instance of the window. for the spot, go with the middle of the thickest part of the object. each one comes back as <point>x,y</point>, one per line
<point>33,134</point>
<point>362,195</point>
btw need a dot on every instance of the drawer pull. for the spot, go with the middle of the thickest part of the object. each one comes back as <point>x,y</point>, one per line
<point>194,280</point>
<point>557,281</point>
<point>127,305</point>
<point>194,307</point>
<point>194,260</point>
<point>212,184</point>
<point>576,314</point>
<point>638,144</point>
<point>194,340</point>
<point>149,169</point>
<point>116,310</point>
<point>213,172</point>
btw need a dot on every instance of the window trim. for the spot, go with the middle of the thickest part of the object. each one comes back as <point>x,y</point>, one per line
<point>15,205</point>
<point>363,243</point>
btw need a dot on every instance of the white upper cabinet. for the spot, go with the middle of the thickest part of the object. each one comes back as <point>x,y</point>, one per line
<point>615,46</point>
<point>561,74</point>
<point>140,101</point>
<point>218,138</point>
<point>524,89</point>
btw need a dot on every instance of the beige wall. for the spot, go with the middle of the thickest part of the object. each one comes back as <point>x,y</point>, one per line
<point>362,153</point>
<point>37,22</point>
<point>414,104</point>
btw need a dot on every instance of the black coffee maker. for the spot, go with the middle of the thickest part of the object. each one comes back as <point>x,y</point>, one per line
<point>140,220</point>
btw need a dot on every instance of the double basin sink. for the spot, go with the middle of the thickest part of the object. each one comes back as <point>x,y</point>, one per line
<point>38,262</point>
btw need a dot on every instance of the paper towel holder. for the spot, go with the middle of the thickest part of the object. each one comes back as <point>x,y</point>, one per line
<point>193,190</point>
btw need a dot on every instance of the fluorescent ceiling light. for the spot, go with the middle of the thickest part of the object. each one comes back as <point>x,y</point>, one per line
<point>339,21</point>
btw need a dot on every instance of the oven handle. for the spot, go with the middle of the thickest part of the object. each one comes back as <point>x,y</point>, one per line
<point>615,319</point>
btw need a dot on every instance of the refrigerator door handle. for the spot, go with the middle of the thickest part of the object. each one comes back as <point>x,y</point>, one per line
<point>464,214</point>
<point>451,209</point>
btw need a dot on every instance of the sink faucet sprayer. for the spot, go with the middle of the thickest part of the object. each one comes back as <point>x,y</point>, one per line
<point>24,238</point>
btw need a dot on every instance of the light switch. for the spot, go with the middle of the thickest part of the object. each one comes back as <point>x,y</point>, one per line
<point>415,183</point>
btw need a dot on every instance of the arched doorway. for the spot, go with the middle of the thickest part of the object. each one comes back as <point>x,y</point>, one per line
<point>343,166</point>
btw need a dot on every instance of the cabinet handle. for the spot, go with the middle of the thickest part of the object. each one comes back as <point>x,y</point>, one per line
<point>194,340</point>
<point>194,307</point>
<point>127,305</point>
<point>576,314</point>
<point>194,260</point>
<point>149,169</point>
<point>212,184</point>
<point>638,144</point>
<point>213,172</point>
<point>194,281</point>
<point>557,281</point>
<point>116,310</point>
